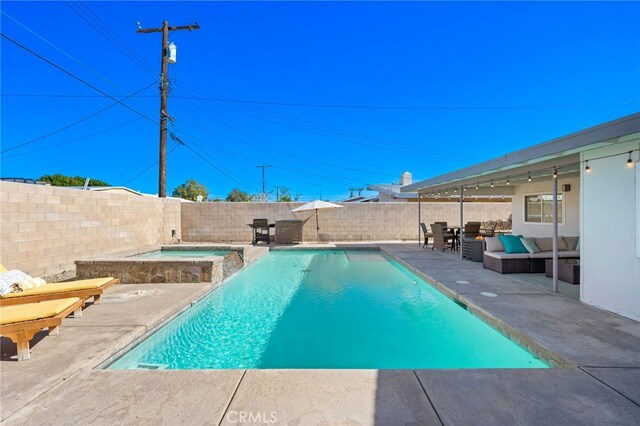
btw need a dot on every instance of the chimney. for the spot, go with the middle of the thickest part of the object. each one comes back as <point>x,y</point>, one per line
<point>405,179</point>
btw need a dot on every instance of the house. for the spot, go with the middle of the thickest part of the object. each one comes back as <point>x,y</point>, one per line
<point>596,176</point>
<point>392,193</point>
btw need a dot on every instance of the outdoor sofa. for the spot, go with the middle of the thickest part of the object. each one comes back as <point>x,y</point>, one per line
<point>498,259</point>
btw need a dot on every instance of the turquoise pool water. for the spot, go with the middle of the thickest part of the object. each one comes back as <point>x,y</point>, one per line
<point>180,253</point>
<point>326,309</point>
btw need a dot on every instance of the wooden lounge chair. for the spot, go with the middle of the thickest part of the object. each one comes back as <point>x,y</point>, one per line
<point>84,289</point>
<point>441,240</point>
<point>21,322</point>
<point>426,233</point>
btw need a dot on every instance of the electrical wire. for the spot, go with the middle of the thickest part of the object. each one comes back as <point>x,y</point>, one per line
<point>68,55</point>
<point>74,139</point>
<point>411,108</point>
<point>70,74</point>
<point>96,23</point>
<point>75,123</point>
<point>149,167</point>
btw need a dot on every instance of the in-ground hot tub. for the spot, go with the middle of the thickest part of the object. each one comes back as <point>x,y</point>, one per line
<point>171,264</point>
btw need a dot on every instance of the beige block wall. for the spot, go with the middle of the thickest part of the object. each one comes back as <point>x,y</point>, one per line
<point>44,229</point>
<point>227,222</point>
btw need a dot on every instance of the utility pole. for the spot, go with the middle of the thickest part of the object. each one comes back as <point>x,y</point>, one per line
<point>278,193</point>
<point>164,82</point>
<point>263,166</point>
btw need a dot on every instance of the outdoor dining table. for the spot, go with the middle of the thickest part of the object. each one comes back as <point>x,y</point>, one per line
<point>455,230</point>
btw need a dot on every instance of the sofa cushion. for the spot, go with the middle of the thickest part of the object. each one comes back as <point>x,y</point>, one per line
<point>512,244</point>
<point>503,255</point>
<point>494,244</point>
<point>544,244</point>
<point>530,244</point>
<point>569,254</point>
<point>561,254</point>
<point>572,242</point>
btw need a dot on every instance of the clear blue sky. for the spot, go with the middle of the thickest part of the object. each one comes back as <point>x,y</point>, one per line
<point>494,77</point>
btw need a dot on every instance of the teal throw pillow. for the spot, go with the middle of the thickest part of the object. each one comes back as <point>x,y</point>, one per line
<point>512,244</point>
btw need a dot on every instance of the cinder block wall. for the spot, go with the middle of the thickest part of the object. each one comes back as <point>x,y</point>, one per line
<point>44,229</point>
<point>227,222</point>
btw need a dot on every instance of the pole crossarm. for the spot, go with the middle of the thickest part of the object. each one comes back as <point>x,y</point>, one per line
<point>189,27</point>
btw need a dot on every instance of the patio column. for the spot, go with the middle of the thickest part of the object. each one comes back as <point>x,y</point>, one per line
<point>461,218</point>
<point>555,230</point>
<point>419,219</point>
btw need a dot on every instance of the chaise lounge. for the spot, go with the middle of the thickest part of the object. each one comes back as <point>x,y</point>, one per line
<point>83,289</point>
<point>21,322</point>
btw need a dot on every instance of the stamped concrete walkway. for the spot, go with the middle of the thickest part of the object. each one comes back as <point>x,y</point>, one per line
<point>59,385</point>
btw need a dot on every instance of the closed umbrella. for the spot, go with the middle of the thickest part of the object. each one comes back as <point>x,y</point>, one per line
<point>316,205</point>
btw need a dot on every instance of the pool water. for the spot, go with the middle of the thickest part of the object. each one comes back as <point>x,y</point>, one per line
<point>180,253</point>
<point>326,309</point>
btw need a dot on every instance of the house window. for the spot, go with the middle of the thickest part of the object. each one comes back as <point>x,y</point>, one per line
<point>539,208</point>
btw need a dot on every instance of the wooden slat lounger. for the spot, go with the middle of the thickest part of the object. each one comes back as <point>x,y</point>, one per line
<point>84,289</point>
<point>21,322</point>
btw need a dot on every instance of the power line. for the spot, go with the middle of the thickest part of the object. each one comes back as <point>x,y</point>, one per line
<point>74,139</point>
<point>148,168</point>
<point>70,74</point>
<point>260,143</point>
<point>405,107</point>
<point>68,55</point>
<point>75,123</point>
<point>346,135</point>
<point>435,107</point>
<point>97,24</point>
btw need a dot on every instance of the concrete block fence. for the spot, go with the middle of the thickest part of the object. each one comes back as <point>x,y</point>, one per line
<point>45,229</point>
<point>227,222</point>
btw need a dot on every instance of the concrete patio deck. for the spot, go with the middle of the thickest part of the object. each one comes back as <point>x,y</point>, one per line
<point>60,384</point>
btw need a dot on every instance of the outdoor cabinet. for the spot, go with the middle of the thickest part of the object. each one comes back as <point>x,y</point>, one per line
<point>289,231</point>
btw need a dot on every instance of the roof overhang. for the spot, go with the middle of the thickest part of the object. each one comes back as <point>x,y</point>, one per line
<point>537,160</point>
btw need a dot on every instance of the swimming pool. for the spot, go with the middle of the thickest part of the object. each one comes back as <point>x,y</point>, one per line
<point>326,309</point>
<point>179,253</point>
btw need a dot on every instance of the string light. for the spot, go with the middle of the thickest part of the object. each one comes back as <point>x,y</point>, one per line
<point>464,187</point>
<point>508,181</point>
<point>555,172</point>
<point>630,161</point>
<point>529,177</point>
<point>587,168</point>
<point>477,184</point>
<point>492,183</point>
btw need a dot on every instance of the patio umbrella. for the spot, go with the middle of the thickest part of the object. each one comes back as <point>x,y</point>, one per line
<point>316,205</point>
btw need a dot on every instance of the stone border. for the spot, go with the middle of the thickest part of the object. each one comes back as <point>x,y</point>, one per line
<point>177,269</point>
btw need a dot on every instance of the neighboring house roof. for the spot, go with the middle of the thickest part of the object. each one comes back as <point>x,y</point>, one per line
<point>359,199</point>
<point>25,180</point>
<point>392,190</point>
<point>565,146</point>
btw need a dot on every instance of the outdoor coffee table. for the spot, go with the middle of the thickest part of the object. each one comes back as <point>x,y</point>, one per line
<point>568,270</point>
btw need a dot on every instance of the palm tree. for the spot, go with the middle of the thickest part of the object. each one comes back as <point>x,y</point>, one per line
<point>359,191</point>
<point>352,190</point>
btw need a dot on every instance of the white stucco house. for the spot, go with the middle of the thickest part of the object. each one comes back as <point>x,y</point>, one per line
<point>597,173</point>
